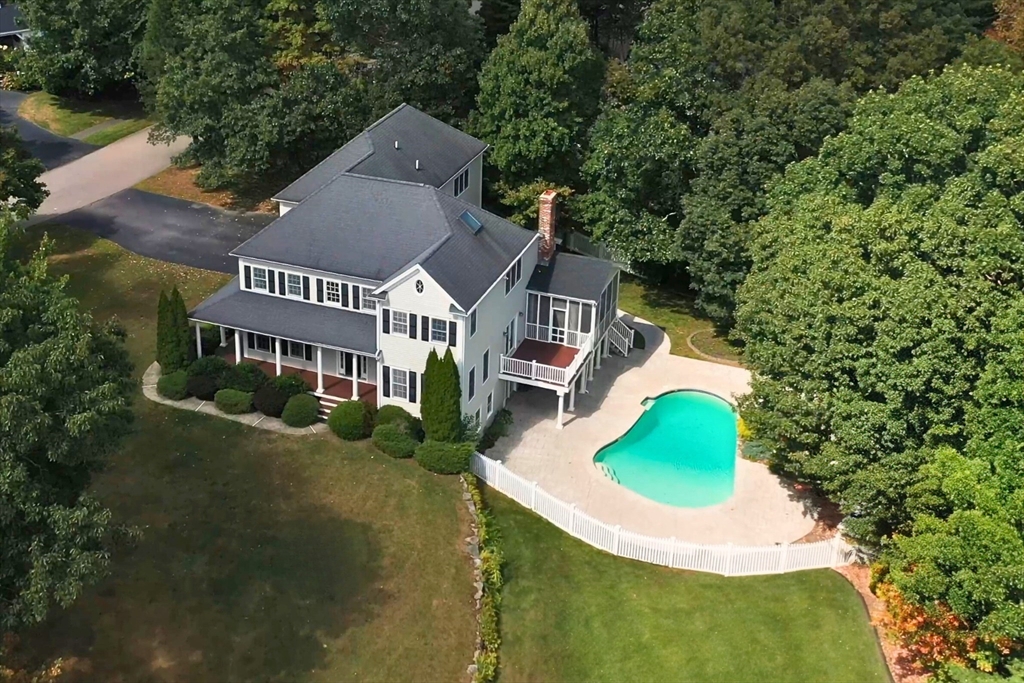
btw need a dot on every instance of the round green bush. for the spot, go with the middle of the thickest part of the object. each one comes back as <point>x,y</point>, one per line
<point>214,367</point>
<point>350,420</point>
<point>440,457</point>
<point>233,402</point>
<point>202,387</point>
<point>173,385</point>
<point>245,377</point>
<point>301,410</point>
<point>394,440</point>
<point>269,400</point>
<point>290,385</point>
<point>390,414</point>
<point>210,339</point>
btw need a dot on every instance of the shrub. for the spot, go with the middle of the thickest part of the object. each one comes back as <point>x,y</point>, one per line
<point>290,385</point>
<point>173,385</point>
<point>245,377</point>
<point>210,339</point>
<point>213,367</point>
<point>233,402</point>
<point>269,400</point>
<point>440,457</point>
<point>394,439</point>
<point>398,415</point>
<point>301,410</point>
<point>350,420</point>
<point>202,387</point>
<point>441,404</point>
<point>497,429</point>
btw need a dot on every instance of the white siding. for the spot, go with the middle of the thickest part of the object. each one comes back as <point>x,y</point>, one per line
<point>473,195</point>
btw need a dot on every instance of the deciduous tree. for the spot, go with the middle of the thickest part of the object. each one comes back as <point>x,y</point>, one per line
<point>19,175</point>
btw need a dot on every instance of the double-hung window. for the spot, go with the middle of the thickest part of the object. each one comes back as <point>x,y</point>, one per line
<point>472,322</point>
<point>486,367</point>
<point>439,331</point>
<point>332,292</point>
<point>490,403</point>
<point>462,182</point>
<point>400,383</point>
<point>259,278</point>
<point>400,324</point>
<point>294,285</point>
<point>369,303</point>
<point>513,275</point>
<point>472,383</point>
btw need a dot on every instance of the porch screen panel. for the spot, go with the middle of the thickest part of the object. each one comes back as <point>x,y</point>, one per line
<point>544,318</point>
<point>574,316</point>
<point>585,312</point>
<point>531,309</point>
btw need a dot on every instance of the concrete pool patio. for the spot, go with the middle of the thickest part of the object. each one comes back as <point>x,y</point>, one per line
<point>763,510</point>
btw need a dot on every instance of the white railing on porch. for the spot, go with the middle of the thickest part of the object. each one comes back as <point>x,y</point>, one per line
<point>548,374</point>
<point>727,560</point>
<point>545,333</point>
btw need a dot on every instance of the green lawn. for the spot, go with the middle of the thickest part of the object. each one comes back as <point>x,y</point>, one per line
<point>675,313</point>
<point>573,613</point>
<point>262,557</point>
<point>66,116</point>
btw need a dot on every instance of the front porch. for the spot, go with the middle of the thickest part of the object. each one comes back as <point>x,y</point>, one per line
<point>334,386</point>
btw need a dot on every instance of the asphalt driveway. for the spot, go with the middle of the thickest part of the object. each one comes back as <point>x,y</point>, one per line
<point>169,229</point>
<point>53,150</point>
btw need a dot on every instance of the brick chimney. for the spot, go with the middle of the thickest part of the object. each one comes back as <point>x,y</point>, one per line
<point>546,224</point>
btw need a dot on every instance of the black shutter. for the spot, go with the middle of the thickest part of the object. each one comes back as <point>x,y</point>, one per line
<point>453,327</point>
<point>426,328</point>
<point>344,295</point>
<point>412,326</point>
<point>308,351</point>
<point>412,387</point>
<point>252,340</point>
<point>270,281</point>
<point>248,277</point>
<point>320,290</point>
<point>386,321</point>
<point>356,297</point>
<point>387,381</point>
<point>305,287</point>
<point>282,289</point>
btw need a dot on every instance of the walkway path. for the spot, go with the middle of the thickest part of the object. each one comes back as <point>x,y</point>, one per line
<point>762,511</point>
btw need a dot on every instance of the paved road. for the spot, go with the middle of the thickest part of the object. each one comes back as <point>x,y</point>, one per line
<point>169,229</point>
<point>53,150</point>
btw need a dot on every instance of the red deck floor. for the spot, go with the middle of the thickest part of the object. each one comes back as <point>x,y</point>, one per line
<point>339,387</point>
<point>555,355</point>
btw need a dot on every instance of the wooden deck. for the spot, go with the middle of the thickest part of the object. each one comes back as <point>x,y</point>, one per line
<point>546,353</point>
<point>338,387</point>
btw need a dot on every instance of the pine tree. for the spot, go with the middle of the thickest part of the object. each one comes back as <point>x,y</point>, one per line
<point>428,401</point>
<point>163,310</point>
<point>441,404</point>
<point>180,347</point>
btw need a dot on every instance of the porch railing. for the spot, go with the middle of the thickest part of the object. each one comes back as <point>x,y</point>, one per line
<point>548,374</point>
<point>546,333</point>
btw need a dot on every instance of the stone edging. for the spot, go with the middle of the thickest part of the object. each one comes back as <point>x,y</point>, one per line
<point>473,549</point>
<point>707,356</point>
<point>258,420</point>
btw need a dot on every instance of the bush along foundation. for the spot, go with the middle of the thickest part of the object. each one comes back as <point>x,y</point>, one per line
<point>484,546</point>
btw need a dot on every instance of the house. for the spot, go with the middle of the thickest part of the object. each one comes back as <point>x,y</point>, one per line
<point>13,30</point>
<point>382,252</point>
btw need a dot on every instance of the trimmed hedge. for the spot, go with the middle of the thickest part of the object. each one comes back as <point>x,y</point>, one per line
<point>301,410</point>
<point>202,387</point>
<point>173,385</point>
<point>351,420</point>
<point>391,414</point>
<point>214,367</point>
<point>440,457</point>
<point>233,401</point>
<point>290,385</point>
<point>393,439</point>
<point>245,377</point>
<point>269,400</point>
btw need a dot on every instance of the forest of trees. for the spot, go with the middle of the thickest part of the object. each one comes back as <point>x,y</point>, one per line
<point>838,184</point>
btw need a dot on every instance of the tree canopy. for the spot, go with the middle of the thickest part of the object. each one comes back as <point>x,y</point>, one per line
<point>65,403</point>
<point>19,175</point>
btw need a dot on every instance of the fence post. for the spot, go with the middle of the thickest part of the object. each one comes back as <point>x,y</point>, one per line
<point>728,561</point>
<point>533,497</point>
<point>835,551</point>
<point>783,558</point>
<point>572,519</point>
<point>615,543</point>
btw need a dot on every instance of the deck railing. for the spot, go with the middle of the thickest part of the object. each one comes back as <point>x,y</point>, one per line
<point>548,374</point>
<point>545,333</point>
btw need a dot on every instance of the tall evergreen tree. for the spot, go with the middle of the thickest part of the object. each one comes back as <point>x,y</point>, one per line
<point>539,93</point>
<point>163,318</point>
<point>429,397</point>
<point>181,347</point>
<point>441,404</point>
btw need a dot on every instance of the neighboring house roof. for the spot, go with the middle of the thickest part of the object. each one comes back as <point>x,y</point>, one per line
<point>442,151</point>
<point>288,318</point>
<point>12,22</point>
<point>375,229</point>
<point>578,277</point>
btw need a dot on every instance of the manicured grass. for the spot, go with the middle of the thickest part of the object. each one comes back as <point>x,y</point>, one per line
<point>65,116</point>
<point>675,313</point>
<point>262,557</point>
<point>573,613</point>
<point>181,183</point>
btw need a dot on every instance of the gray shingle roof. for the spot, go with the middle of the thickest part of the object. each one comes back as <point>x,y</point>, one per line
<point>11,20</point>
<point>579,277</point>
<point>288,318</point>
<point>441,150</point>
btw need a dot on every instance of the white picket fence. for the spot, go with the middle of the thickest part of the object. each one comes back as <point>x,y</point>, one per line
<point>727,560</point>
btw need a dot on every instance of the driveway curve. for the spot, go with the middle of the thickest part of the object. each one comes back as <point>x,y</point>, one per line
<point>169,229</point>
<point>52,149</point>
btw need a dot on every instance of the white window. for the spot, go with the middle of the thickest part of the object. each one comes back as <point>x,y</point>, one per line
<point>400,323</point>
<point>472,322</point>
<point>294,285</point>
<point>476,418</point>
<point>296,350</point>
<point>439,331</point>
<point>462,182</point>
<point>399,383</point>
<point>332,291</point>
<point>513,275</point>
<point>260,342</point>
<point>259,278</point>
<point>490,403</point>
<point>472,383</point>
<point>369,303</point>
<point>486,367</point>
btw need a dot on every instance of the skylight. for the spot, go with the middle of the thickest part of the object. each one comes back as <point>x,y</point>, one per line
<point>471,222</point>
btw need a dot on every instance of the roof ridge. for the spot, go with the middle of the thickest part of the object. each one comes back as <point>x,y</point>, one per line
<point>363,176</point>
<point>387,116</point>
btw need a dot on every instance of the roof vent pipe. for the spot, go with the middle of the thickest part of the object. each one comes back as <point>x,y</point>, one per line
<point>396,144</point>
<point>417,164</point>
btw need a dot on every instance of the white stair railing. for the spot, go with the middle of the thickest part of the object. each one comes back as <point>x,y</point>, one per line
<point>621,336</point>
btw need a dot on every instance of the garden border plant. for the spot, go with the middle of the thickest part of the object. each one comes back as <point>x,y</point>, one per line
<point>488,569</point>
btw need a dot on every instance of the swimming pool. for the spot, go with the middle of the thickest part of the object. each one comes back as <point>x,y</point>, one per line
<point>681,452</point>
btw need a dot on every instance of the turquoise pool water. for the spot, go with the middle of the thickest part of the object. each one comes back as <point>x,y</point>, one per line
<point>682,451</point>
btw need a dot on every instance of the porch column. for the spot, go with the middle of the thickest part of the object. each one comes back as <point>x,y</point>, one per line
<point>597,355</point>
<point>319,369</point>
<point>223,337</point>
<point>238,347</point>
<point>199,341</point>
<point>590,368</point>
<point>572,397</point>
<point>355,378</point>
<point>561,402</point>
<point>583,377</point>
<point>277,356</point>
